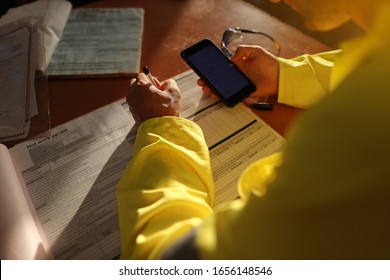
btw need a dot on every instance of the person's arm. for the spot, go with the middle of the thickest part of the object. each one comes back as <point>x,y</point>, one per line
<point>298,82</point>
<point>167,189</point>
<point>306,79</point>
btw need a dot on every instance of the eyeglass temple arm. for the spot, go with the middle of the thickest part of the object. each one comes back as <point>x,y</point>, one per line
<point>252,31</point>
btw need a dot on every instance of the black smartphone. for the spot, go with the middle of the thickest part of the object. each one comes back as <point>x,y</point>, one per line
<point>218,72</point>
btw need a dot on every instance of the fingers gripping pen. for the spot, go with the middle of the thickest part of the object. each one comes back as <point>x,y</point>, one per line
<point>146,71</point>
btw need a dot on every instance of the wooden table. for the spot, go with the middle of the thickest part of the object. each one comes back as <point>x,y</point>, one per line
<point>169,27</point>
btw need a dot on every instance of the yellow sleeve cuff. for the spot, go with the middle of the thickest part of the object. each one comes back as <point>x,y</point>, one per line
<point>306,79</point>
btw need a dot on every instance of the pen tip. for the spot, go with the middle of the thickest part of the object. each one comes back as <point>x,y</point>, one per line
<point>145,70</point>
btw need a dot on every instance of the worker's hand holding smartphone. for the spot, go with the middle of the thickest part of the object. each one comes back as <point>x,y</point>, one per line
<point>218,72</point>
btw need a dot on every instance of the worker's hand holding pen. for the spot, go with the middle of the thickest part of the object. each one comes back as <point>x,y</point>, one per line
<point>149,98</point>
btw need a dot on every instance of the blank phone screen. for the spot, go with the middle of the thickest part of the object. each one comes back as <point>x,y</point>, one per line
<point>219,71</point>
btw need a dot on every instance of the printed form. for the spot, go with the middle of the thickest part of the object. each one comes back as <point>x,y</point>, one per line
<point>99,41</point>
<point>72,176</point>
<point>14,79</point>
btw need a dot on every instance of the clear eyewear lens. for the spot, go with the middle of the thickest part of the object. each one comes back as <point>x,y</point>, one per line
<point>229,39</point>
<point>234,37</point>
<point>230,35</point>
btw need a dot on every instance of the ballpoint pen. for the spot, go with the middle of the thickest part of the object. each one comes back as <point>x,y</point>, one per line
<point>146,71</point>
<point>262,106</point>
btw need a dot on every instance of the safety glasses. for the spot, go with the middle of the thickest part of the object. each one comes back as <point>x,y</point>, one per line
<point>233,37</point>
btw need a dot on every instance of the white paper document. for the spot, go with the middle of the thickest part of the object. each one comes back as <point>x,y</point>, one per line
<point>20,236</point>
<point>28,37</point>
<point>14,80</point>
<point>49,16</point>
<point>99,41</point>
<point>236,137</point>
<point>72,176</point>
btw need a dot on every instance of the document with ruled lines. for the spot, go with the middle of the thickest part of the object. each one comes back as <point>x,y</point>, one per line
<point>236,137</point>
<point>99,41</point>
<point>71,177</point>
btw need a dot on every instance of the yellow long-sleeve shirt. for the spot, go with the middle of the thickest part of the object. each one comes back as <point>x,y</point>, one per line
<point>326,197</point>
